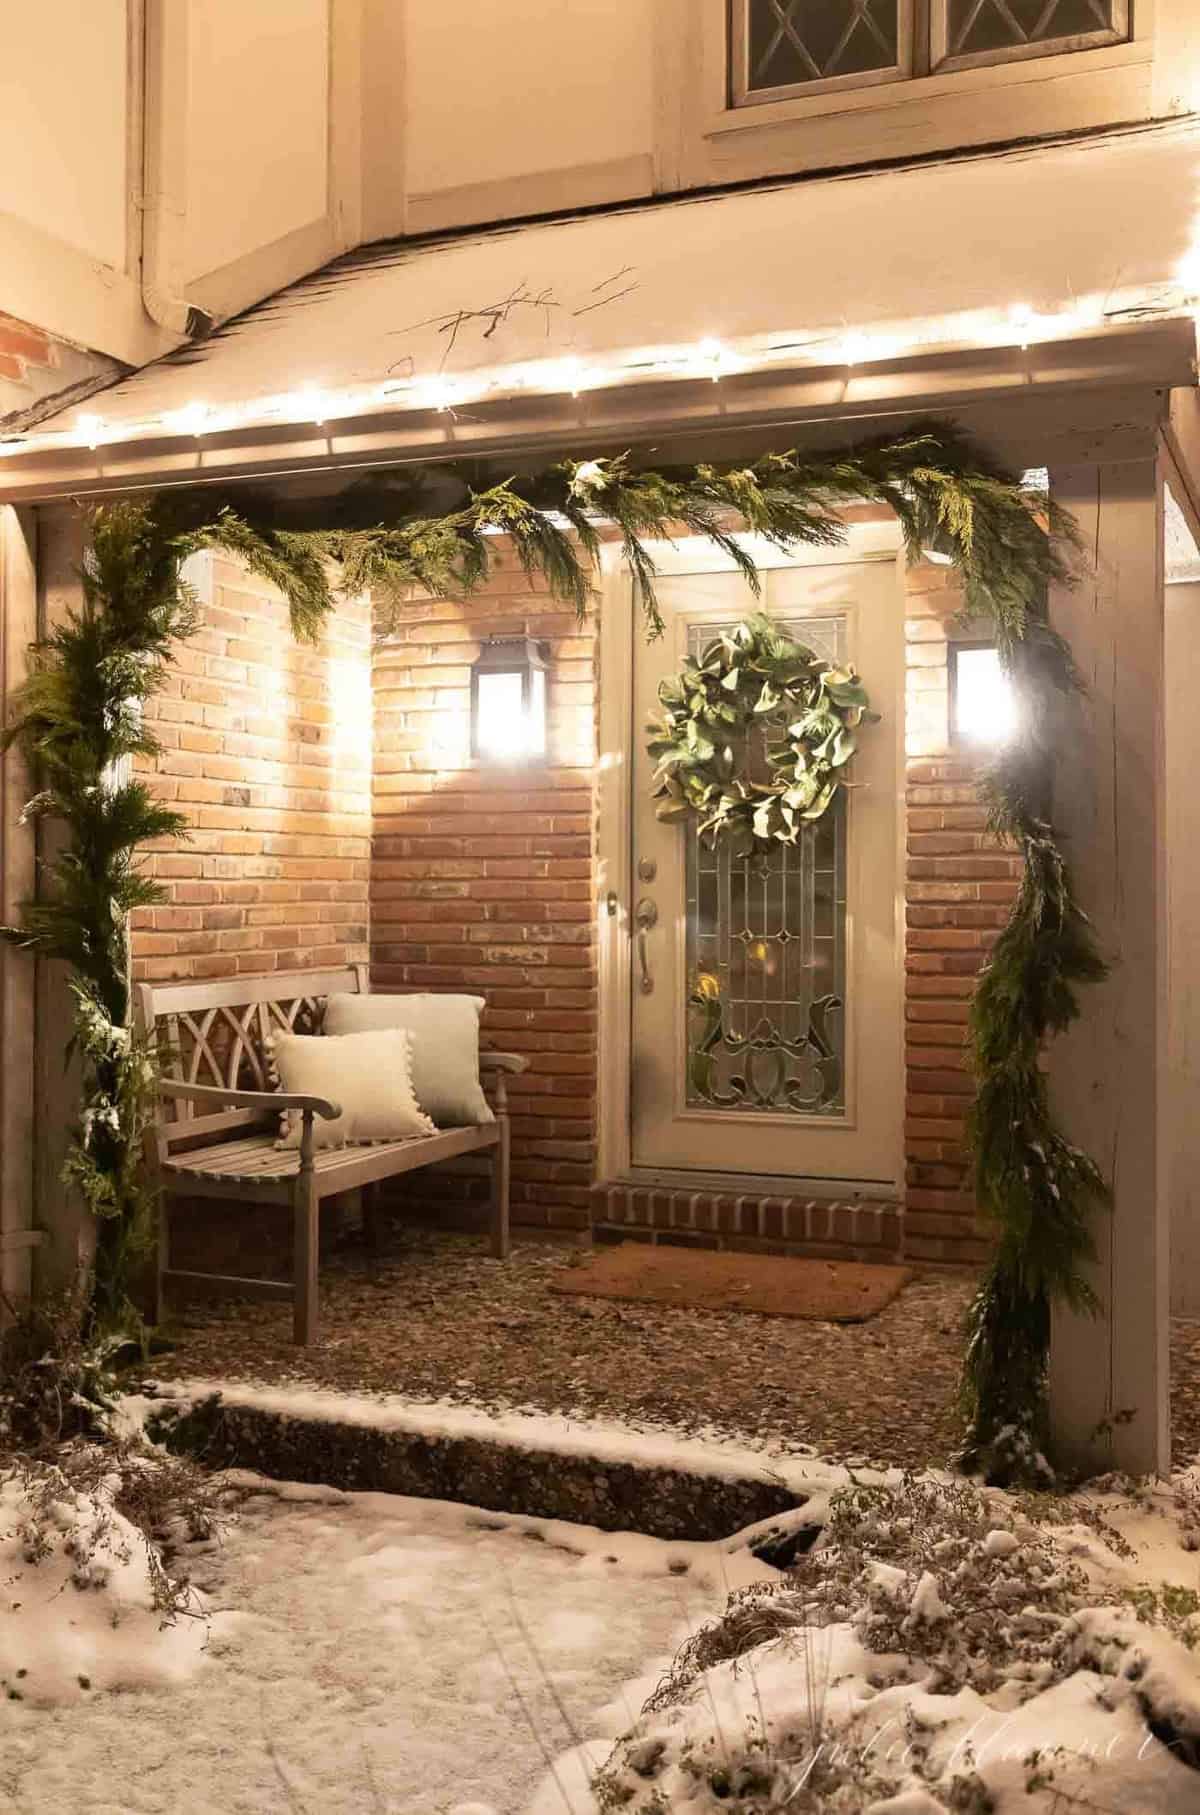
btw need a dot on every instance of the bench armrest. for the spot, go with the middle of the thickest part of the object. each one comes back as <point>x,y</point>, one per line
<point>218,1097</point>
<point>502,1061</point>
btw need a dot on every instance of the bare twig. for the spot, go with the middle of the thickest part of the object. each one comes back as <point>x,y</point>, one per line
<point>605,300</point>
<point>494,314</point>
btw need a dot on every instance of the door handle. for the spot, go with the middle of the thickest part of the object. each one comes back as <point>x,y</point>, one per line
<point>645,917</point>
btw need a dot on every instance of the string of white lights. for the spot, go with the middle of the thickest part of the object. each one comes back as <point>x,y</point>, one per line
<point>1017,325</point>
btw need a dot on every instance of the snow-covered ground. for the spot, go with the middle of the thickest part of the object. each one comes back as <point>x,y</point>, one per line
<point>365,1653</point>
<point>942,1648</point>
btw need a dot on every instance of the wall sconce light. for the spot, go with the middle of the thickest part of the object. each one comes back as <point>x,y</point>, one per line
<point>983,701</point>
<point>508,700</point>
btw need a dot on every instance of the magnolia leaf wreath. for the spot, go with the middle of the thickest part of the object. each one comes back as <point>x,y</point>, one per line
<point>754,736</point>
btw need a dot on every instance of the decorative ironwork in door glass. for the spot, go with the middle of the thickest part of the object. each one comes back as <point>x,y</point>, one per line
<point>991,25</point>
<point>766,955</point>
<point>798,41</point>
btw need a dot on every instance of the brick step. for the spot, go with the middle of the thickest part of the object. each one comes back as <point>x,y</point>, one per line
<point>818,1228</point>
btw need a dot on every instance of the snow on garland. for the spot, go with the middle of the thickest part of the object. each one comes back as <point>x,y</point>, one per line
<point>80,714</point>
<point>748,683</point>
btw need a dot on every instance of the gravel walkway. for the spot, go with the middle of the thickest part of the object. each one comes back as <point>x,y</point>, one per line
<point>438,1318</point>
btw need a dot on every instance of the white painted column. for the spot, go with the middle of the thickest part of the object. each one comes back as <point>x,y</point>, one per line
<point>18,626</point>
<point>1109,1074</point>
<point>1183,885</point>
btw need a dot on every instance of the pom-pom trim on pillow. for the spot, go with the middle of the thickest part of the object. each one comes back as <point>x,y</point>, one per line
<point>369,1075</point>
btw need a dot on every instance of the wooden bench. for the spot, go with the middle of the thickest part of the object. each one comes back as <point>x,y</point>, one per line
<point>221,1140</point>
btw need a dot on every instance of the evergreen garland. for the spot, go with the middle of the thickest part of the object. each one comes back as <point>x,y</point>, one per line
<point>79,720</point>
<point>79,716</point>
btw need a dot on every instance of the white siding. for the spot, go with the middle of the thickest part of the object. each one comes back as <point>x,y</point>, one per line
<point>63,122</point>
<point>520,89</point>
<point>258,125</point>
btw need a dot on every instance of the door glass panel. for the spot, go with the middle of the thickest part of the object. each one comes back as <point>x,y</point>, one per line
<point>798,41</point>
<point>766,954</point>
<point>991,25</point>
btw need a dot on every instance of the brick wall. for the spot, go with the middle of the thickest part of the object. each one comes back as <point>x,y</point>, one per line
<point>267,749</point>
<point>20,347</point>
<point>39,373</point>
<point>959,888</point>
<point>481,878</point>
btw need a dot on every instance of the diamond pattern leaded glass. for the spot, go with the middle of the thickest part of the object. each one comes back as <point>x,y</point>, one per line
<point>766,956</point>
<point>801,41</point>
<point>994,25</point>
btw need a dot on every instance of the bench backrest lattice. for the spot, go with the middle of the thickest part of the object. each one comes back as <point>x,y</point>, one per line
<point>219,1034</point>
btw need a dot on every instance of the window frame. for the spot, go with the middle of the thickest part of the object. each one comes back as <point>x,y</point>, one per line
<point>941,61</point>
<point>740,94</point>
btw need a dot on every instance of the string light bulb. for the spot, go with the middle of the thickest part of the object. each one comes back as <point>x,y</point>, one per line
<point>438,394</point>
<point>711,353</point>
<point>1187,274</point>
<point>310,403</point>
<point>192,420</point>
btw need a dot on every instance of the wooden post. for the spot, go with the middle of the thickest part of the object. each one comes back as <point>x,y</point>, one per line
<point>1183,858</point>
<point>1109,1075</point>
<point>18,627</point>
<point>306,1210</point>
<point>500,1174</point>
<point>69,1226</point>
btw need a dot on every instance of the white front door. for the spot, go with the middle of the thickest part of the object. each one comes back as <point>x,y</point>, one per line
<point>766,995</point>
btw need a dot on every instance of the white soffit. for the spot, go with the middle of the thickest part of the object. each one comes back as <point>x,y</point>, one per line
<point>1025,251</point>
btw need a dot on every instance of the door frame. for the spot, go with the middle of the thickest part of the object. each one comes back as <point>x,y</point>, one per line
<point>875,539</point>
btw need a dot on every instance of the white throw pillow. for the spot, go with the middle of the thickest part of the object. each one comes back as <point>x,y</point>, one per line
<point>369,1075</point>
<point>445,1052</point>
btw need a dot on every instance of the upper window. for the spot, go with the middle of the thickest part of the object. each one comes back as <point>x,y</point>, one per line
<point>781,47</point>
<point>784,48</point>
<point>995,31</point>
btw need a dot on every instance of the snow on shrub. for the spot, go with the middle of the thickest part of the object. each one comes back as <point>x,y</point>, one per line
<point>85,1601</point>
<point>940,1651</point>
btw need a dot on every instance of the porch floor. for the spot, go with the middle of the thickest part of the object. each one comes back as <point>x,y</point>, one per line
<point>434,1317</point>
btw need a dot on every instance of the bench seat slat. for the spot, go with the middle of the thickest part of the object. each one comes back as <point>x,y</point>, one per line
<point>260,1162</point>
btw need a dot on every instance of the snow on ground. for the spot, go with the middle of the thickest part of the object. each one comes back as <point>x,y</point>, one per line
<point>77,1600</point>
<point>372,1653</point>
<point>943,1648</point>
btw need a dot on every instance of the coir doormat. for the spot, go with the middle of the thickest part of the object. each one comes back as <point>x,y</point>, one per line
<point>706,1279</point>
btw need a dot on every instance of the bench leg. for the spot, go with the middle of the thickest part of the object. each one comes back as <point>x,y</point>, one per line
<point>372,1220</point>
<point>162,1258</point>
<point>500,1181</point>
<point>306,1209</point>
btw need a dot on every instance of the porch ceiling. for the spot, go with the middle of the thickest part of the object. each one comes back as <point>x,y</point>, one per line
<point>865,293</point>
